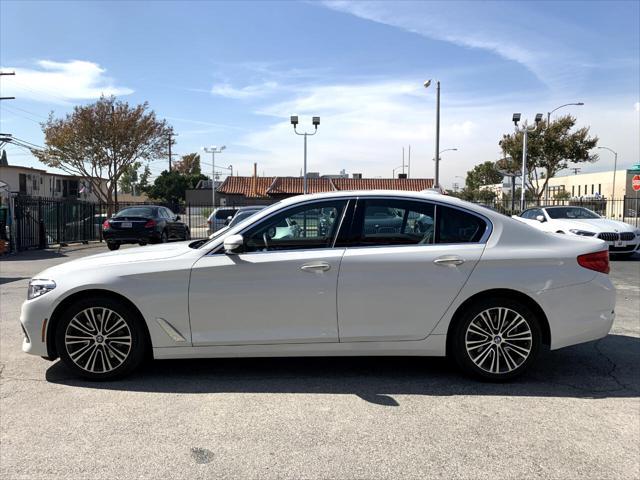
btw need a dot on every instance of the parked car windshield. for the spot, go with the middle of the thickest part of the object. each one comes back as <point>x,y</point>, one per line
<point>571,213</point>
<point>135,212</point>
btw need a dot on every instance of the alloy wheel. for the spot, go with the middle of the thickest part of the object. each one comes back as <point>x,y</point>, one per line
<point>98,340</point>
<point>498,340</point>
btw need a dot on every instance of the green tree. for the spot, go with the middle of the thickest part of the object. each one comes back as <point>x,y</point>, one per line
<point>189,164</point>
<point>144,178</point>
<point>550,149</point>
<point>171,186</point>
<point>129,177</point>
<point>482,174</point>
<point>102,140</point>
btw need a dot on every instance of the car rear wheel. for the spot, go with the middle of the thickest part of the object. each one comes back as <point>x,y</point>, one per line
<point>113,246</point>
<point>100,338</point>
<point>164,238</point>
<point>496,339</point>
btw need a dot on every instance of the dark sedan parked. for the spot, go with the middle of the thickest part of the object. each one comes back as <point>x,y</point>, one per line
<point>142,225</point>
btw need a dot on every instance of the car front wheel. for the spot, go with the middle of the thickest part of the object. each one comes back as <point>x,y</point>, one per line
<point>113,246</point>
<point>496,339</point>
<point>100,338</point>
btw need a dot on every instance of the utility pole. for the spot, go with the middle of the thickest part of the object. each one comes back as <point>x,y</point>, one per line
<point>171,142</point>
<point>409,165</point>
<point>402,160</point>
<point>3,74</point>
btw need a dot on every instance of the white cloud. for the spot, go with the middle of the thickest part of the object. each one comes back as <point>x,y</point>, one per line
<point>249,91</point>
<point>364,127</point>
<point>61,82</point>
<point>491,26</point>
<point>637,106</point>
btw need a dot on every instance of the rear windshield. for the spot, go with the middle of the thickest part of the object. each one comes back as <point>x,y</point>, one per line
<point>571,212</point>
<point>223,214</point>
<point>136,212</point>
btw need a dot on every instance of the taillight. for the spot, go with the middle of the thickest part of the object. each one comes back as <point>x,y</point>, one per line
<point>105,225</point>
<point>598,261</point>
<point>150,224</point>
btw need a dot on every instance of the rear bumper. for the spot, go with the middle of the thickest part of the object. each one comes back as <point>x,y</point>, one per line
<point>579,313</point>
<point>128,236</point>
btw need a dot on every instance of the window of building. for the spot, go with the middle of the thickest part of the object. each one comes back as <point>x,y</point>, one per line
<point>579,187</point>
<point>592,189</point>
<point>600,188</point>
<point>573,190</point>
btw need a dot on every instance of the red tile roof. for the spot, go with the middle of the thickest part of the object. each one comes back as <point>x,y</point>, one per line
<point>255,187</point>
<point>411,184</point>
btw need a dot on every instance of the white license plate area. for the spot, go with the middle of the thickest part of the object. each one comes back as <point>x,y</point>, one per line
<point>126,225</point>
<point>619,243</point>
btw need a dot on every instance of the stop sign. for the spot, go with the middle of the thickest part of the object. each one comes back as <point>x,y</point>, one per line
<point>635,183</point>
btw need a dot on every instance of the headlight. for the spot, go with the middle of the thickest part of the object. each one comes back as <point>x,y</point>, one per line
<point>39,286</point>
<point>583,233</point>
<point>637,232</point>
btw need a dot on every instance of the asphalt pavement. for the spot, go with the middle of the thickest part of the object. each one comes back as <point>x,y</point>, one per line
<point>575,415</point>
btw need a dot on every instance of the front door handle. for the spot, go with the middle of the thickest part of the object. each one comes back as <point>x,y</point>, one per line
<point>315,267</point>
<point>449,260</point>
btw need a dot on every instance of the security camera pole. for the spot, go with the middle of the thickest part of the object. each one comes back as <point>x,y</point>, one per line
<point>525,131</point>
<point>315,121</point>
<point>213,150</point>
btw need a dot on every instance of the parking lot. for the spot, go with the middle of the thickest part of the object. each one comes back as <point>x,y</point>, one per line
<point>575,415</point>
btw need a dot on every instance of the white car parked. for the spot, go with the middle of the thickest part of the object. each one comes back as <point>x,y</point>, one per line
<point>622,238</point>
<point>470,283</point>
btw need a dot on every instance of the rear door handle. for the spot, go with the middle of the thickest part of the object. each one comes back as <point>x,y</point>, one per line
<point>449,260</point>
<point>315,267</point>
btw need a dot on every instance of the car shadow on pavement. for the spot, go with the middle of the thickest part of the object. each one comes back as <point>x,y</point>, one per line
<point>33,255</point>
<point>603,369</point>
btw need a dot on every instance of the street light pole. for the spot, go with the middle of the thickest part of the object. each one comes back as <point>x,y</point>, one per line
<point>437,149</point>
<point>315,122</point>
<point>615,166</point>
<point>525,135</point>
<point>213,150</point>
<point>546,190</point>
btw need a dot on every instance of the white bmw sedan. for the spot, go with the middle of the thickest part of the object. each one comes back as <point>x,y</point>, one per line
<point>368,273</point>
<point>622,238</point>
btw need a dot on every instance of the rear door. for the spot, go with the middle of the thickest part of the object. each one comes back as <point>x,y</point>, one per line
<point>397,281</point>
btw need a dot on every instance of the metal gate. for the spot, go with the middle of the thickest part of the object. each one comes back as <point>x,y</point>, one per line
<point>40,222</point>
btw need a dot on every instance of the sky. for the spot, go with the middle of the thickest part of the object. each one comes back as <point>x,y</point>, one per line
<point>231,73</point>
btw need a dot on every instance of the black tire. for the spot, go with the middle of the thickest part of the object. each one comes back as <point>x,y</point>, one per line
<point>113,246</point>
<point>164,238</point>
<point>502,342</point>
<point>111,359</point>
<point>187,234</point>
<point>142,244</point>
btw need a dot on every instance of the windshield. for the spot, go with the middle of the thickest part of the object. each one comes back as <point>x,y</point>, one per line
<point>135,212</point>
<point>571,213</point>
<point>240,216</point>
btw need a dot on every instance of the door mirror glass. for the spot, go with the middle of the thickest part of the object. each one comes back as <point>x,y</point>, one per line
<point>540,218</point>
<point>233,244</point>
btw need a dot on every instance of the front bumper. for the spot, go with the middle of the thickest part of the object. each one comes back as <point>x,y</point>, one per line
<point>34,318</point>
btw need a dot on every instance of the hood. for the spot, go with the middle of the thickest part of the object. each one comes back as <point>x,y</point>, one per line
<point>130,255</point>
<point>596,225</point>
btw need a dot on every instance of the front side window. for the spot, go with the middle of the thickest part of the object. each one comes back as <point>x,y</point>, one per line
<point>303,227</point>
<point>396,222</point>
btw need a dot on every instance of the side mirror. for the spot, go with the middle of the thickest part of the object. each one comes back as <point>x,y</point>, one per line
<point>541,218</point>
<point>177,218</point>
<point>233,244</point>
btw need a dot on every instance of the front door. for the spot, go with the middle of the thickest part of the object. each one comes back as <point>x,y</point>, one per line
<point>409,261</point>
<point>281,289</point>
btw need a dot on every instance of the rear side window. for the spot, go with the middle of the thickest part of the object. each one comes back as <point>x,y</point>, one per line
<point>458,226</point>
<point>396,222</point>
